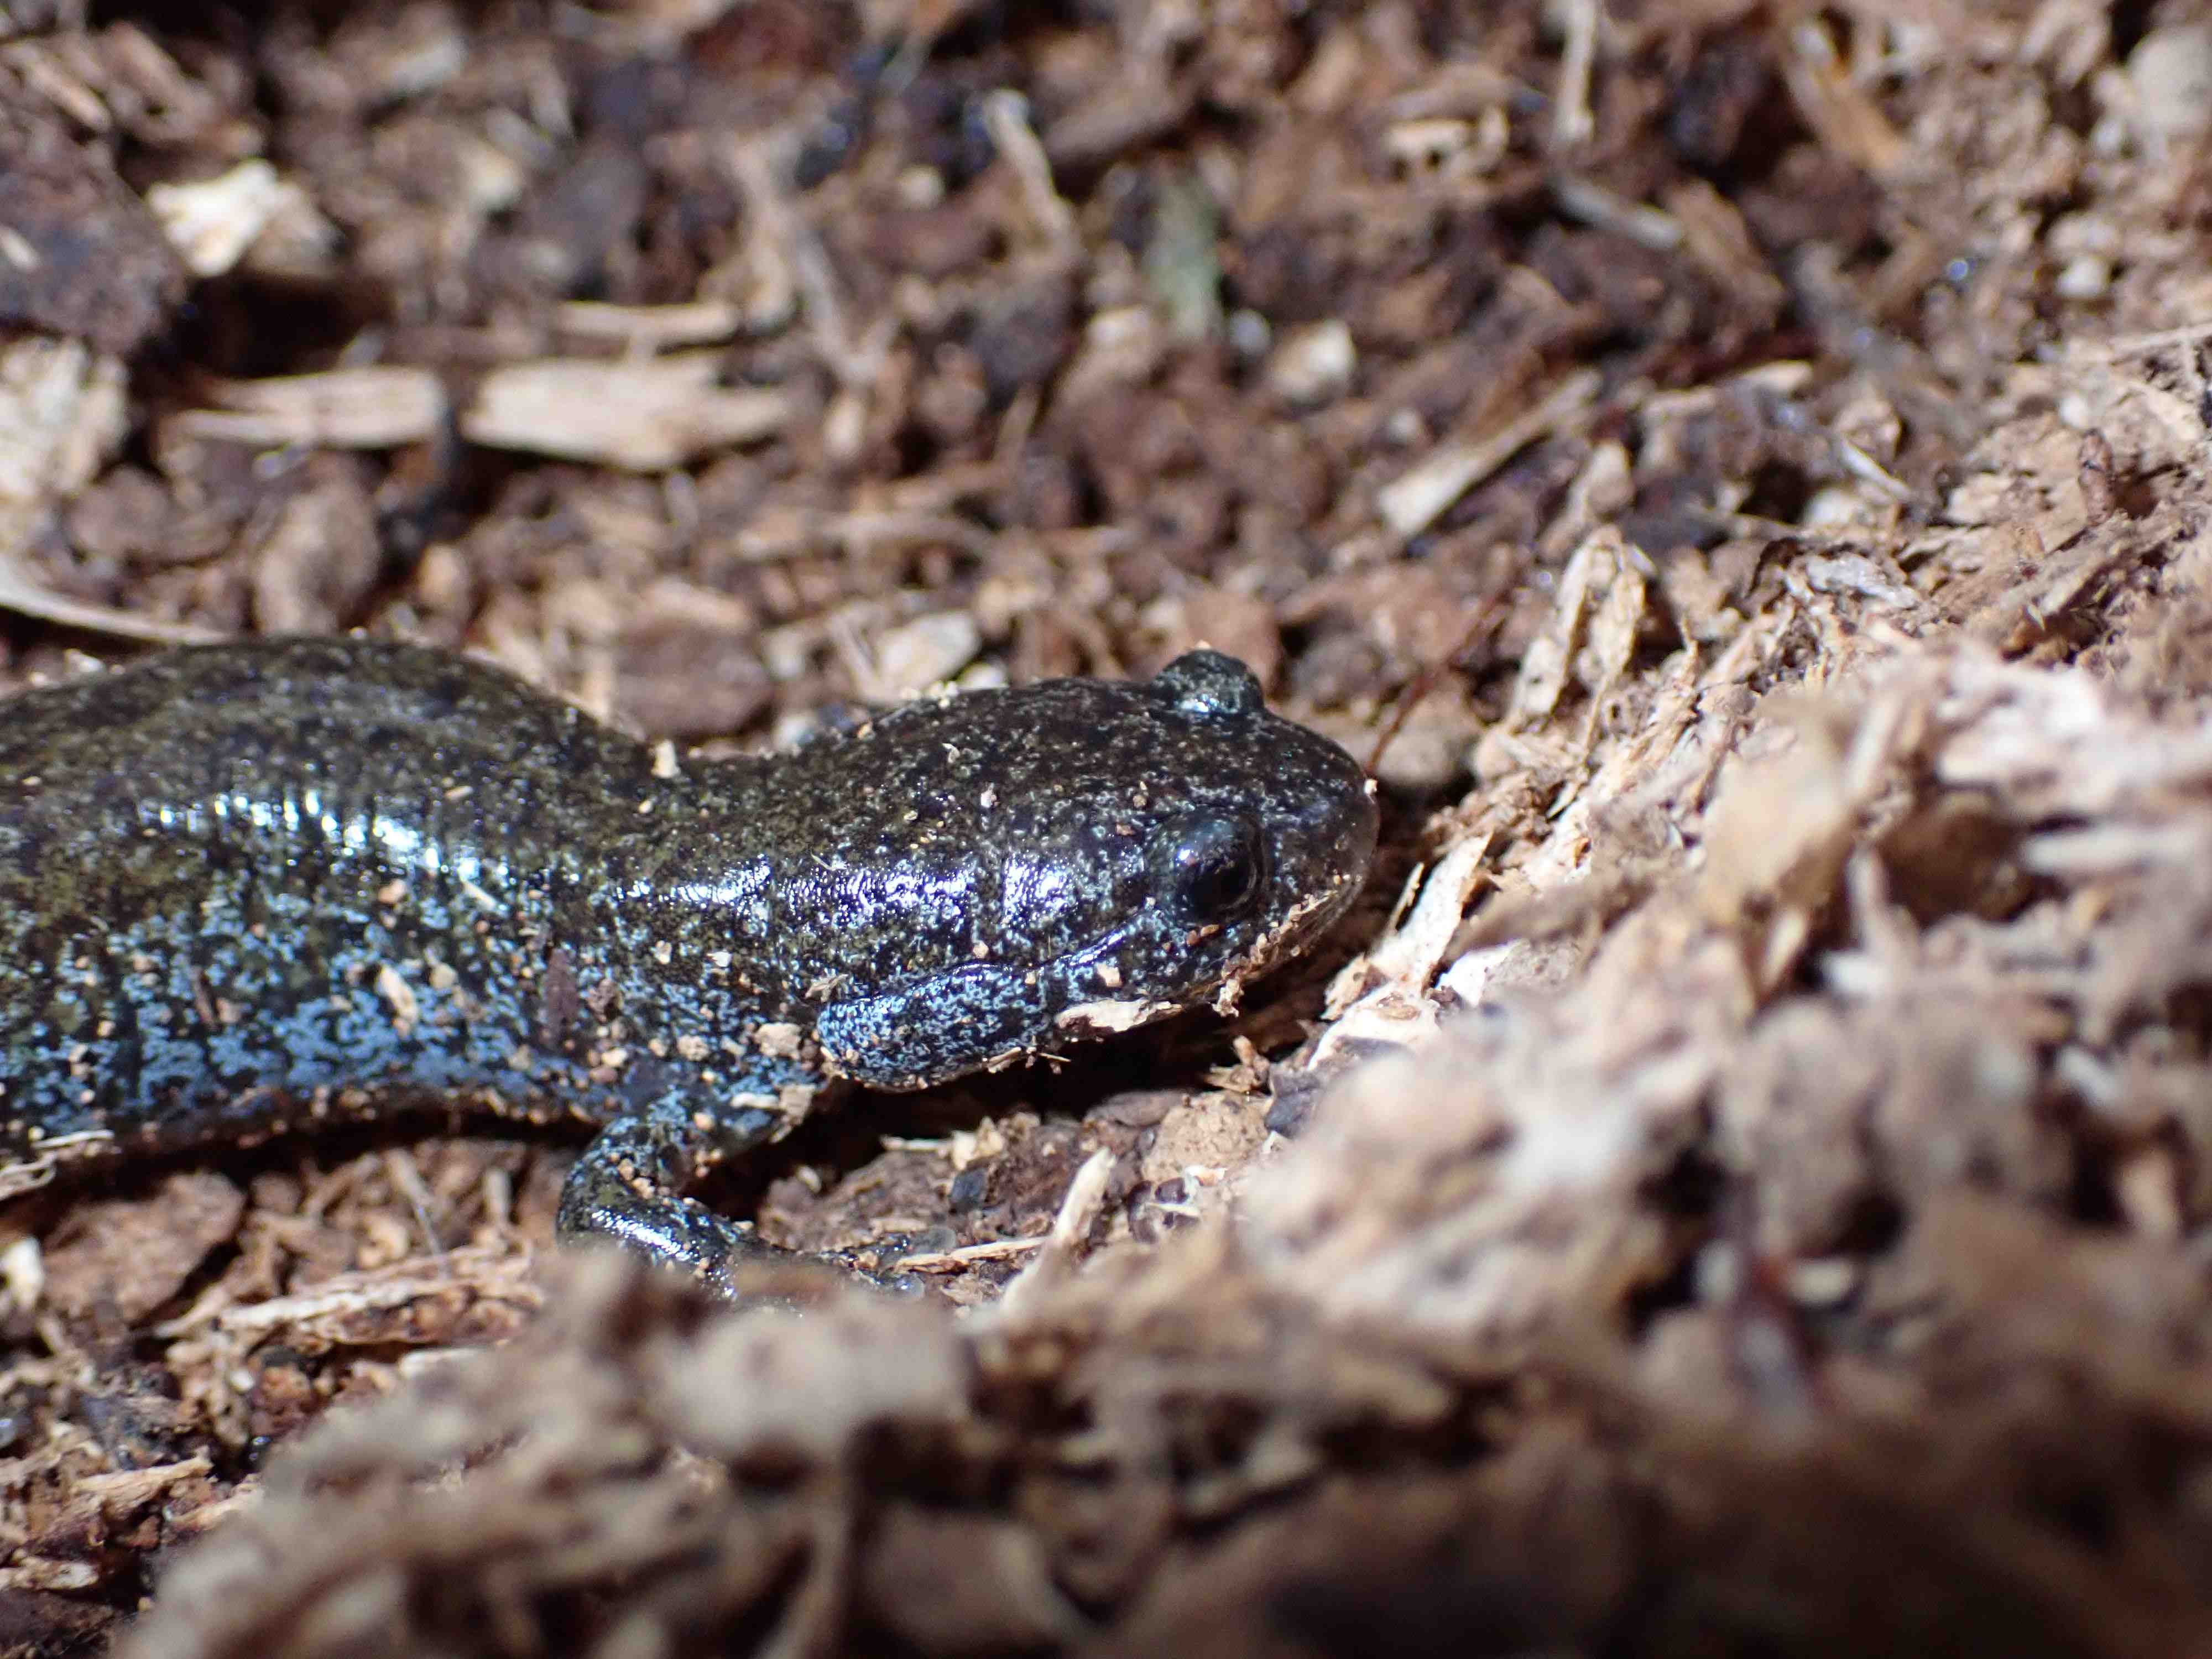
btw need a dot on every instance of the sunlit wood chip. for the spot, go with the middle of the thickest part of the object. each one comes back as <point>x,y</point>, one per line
<point>654,328</point>
<point>1413,501</point>
<point>643,416</point>
<point>62,414</point>
<point>911,659</point>
<point>346,407</point>
<point>1840,111</point>
<point>212,222</point>
<point>1313,364</point>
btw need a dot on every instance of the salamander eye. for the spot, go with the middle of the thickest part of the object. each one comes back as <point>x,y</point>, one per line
<point>1216,868</point>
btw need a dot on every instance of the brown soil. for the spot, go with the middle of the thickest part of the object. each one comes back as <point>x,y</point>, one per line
<point>1741,1184</point>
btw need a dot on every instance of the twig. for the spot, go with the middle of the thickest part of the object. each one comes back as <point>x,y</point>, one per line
<point>1571,121</point>
<point>26,598</point>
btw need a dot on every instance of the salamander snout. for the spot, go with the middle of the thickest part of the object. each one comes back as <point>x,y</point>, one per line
<point>1322,825</point>
<point>1273,827</point>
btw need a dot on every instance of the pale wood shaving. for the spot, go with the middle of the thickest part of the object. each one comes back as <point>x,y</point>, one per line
<point>641,416</point>
<point>345,408</point>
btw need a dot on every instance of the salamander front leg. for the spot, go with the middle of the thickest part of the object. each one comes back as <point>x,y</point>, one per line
<point>627,1187</point>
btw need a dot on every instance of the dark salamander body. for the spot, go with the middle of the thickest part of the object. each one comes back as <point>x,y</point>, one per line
<point>245,887</point>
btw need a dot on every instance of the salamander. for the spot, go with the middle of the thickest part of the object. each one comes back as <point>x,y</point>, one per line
<point>249,887</point>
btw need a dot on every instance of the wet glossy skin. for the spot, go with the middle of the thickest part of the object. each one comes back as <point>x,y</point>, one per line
<point>248,886</point>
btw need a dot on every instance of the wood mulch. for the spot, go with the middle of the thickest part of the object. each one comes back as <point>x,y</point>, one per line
<point>1740,1182</point>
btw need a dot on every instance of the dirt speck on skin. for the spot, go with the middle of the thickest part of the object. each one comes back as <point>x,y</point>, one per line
<point>1738,1181</point>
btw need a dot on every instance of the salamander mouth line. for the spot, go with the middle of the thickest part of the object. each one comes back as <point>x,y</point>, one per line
<point>1224,989</point>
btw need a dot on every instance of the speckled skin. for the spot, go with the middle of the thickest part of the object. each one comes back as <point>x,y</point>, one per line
<point>247,886</point>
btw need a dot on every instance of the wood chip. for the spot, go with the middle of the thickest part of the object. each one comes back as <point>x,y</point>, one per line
<point>641,417</point>
<point>344,409</point>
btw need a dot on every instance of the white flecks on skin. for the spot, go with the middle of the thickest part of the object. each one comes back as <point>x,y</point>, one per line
<point>879,882</point>
<point>399,997</point>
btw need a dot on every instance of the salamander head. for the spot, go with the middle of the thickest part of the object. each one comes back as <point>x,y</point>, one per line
<point>1074,858</point>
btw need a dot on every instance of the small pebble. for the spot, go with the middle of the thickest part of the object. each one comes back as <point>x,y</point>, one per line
<point>2172,69</point>
<point>1313,364</point>
<point>2088,277</point>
